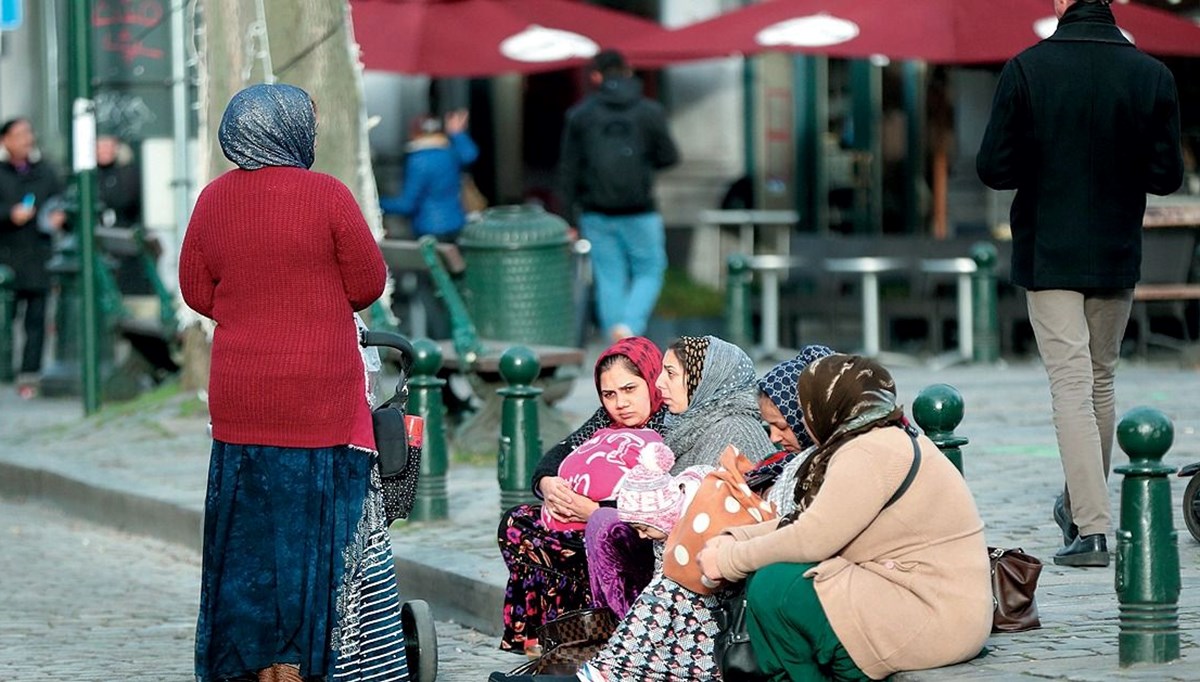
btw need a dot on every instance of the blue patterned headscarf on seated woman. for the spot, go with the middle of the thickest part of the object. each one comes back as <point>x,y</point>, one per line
<point>269,125</point>
<point>779,385</point>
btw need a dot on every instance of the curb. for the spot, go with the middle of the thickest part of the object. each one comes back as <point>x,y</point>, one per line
<point>112,507</point>
<point>454,584</point>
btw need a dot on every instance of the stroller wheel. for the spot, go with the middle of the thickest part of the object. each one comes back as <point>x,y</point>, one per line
<point>420,640</point>
<point>1191,506</point>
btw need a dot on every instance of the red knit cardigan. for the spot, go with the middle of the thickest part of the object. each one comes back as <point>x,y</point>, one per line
<point>281,258</point>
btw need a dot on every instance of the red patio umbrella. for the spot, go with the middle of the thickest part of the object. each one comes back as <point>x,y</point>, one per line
<point>940,31</point>
<point>447,38</point>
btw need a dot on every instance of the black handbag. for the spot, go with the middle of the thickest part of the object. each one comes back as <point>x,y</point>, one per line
<point>731,647</point>
<point>399,455</point>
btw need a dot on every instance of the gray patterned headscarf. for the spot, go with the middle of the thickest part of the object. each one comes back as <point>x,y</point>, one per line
<point>722,410</point>
<point>269,125</point>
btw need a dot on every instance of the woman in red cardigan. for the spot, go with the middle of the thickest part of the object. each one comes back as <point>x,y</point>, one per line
<point>297,576</point>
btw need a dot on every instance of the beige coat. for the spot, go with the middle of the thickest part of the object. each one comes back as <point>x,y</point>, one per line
<point>907,588</point>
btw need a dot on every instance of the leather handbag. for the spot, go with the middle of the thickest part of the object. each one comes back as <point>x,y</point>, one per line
<point>569,641</point>
<point>1014,580</point>
<point>732,650</point>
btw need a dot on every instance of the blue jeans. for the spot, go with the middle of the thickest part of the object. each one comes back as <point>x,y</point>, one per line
<point>629,257</point>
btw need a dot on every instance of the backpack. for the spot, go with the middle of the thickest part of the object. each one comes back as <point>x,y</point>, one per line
<point>615,147</point>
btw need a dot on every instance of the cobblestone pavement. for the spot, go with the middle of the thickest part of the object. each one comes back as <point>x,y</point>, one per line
<point>80,601</point>
<point>158,451</point>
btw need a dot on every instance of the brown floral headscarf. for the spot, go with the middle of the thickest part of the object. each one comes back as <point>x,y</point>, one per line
<point>841,396</point>
<point>691,351</point>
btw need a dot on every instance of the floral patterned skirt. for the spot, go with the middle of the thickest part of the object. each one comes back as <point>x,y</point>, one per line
<point>547,574</point>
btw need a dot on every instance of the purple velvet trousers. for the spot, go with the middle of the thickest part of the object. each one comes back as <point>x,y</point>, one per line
<point>620,563</point>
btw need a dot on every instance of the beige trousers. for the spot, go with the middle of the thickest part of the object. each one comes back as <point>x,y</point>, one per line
<point>1079,339</point>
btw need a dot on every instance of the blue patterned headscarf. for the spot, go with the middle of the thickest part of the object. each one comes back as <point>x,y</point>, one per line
<point>779,385</point>
<point>269,125</point>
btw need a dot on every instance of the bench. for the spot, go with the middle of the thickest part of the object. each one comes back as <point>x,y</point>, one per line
<point>920,295</point>
<point>478,359</point>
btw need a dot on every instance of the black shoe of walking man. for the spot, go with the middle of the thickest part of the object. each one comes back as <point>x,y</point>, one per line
<point>1084,550</point>
<point>1063,518</point>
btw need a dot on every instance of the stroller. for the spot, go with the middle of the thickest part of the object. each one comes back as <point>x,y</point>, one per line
<point>1191,499</point>
<point>391,435</point>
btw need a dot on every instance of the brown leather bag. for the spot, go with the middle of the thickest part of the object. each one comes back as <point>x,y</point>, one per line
<point>570,640</point>
<point>1014,580</point>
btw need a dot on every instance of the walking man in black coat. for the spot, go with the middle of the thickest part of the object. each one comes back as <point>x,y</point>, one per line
<point>1083,125</point>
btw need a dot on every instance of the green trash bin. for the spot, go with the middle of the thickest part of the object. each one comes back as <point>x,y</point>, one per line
<point>517,284</point>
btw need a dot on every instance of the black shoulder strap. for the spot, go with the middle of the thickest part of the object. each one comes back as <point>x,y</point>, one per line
<point>912,473</point>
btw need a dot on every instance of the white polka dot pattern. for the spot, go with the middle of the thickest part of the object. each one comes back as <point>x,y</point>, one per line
<point>681,555</point>
<point>722,500</point>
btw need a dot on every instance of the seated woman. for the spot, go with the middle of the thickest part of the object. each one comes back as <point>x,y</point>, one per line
<point>855,583</point>
<point>667,632</point>
<point>548,573</point>
<point>708,385</point>
<point>785,427</point>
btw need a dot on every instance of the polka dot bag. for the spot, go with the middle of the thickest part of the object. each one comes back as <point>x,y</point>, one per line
<point>723,500</point>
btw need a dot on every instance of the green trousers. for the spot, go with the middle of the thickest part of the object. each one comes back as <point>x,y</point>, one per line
<point>791,636</point>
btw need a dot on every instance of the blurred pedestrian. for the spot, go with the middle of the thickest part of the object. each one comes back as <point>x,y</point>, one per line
<point>613,143</point>
<point>298,580</point>
<point>27,226</point>
<point>119,185</point>
<point>1083,125</point>
<point>438,155</point>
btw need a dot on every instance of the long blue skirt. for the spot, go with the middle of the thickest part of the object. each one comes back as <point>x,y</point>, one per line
<point>297,567</point>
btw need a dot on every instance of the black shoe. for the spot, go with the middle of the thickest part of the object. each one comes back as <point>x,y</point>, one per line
<point>1084,550</point>
<point>1063,518</point>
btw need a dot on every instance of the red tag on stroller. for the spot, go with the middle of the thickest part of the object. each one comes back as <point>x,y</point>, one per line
<point>415,427</point>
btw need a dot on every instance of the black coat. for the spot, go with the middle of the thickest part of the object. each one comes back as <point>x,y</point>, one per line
<point>26,248</point>
<point>1083,125</point>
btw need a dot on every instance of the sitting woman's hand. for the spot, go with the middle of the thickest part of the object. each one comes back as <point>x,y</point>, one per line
<point>580,507</point>
<point>557,496</point>
<point>707,558</point>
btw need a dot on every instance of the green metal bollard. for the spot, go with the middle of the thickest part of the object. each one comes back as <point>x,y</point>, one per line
<point>737,301</point>
<point>938,410</point>
<point>520,443</point>
<point>985,322</point>
<point>65,376</point>
<point>8,303</point>
<point>425,401</point>
<point>1147,572</point>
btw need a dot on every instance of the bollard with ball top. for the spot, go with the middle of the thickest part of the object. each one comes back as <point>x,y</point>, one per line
<point>520,443</point>
<point>737,301</point>
<point>425,401</point>
<point>985,321</point>
<point>938,410</point>
<point>1147,571</point>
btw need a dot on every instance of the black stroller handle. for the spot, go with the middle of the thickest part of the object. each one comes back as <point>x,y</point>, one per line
<point>389,339</point>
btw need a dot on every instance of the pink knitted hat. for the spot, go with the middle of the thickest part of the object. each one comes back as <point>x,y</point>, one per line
<point>649,494</point>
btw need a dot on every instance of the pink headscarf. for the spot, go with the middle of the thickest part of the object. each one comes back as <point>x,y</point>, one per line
<point>645,356</point>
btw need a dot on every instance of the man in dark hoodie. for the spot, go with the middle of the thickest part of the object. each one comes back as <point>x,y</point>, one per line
<point>613,143</point>
<point>1083,126</point>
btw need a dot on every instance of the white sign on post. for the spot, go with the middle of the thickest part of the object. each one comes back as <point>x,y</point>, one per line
<point>83,134</point>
